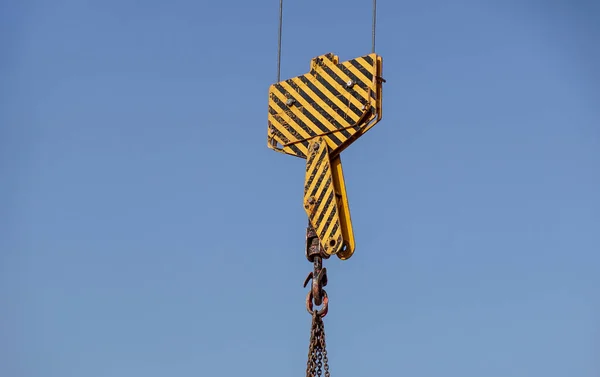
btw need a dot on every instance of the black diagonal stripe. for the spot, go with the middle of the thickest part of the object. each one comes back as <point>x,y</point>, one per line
<point>283,138</point>
<point>299,121</point>
<point>339,80</point>
<point>312,118</point>
<point>293,131</point>
<point>329,219</point>
<point>335,228</point>
<point>324,191</point>
<point>369,61</point>
<point>353,77</point>
<point>363,85</point>
<point>324,98</point>
<point>284,108</point>
<point>314,104</point>
<point>281,89</point>
<point>322,214</point>
<point>305,143</point>
<point>276,131</point>
<point>290,128</point>
<point>314,168</point>
<point>362,69</point>
<point>318,108</point>
<point>319,182</point>
<point>286,143</point>
<point>310,159</point>
<point>336,93</point>
<point>296,150</point>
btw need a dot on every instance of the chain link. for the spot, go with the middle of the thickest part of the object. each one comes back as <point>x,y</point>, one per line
<point>317,353</point>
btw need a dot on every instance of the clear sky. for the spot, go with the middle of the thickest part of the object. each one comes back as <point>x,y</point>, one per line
<point>148,231</point>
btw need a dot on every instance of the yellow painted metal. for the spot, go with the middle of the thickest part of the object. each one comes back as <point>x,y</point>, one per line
<point>316,116</point>
<point>343,208</point>
<point>326,202</point>
<point>336,101</point>
<point>320,200</point>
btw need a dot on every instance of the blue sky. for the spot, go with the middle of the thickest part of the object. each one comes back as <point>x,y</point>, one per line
<point>148,231</point>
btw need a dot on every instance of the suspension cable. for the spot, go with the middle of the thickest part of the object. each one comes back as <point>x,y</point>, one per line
<point>279,41</point>
<point>373,26</point>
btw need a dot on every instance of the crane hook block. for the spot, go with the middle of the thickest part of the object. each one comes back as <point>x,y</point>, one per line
<point>336,101</point>
<point>316,116</point>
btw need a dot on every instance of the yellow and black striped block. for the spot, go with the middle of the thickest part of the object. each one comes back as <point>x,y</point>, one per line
<point>325,200</point>
<point>336,101</point>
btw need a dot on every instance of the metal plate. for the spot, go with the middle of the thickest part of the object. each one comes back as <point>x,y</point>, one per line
<point>338,101</point>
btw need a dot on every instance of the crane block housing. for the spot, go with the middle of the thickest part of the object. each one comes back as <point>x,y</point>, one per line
<point>336,101</point>
<point>316,116</point>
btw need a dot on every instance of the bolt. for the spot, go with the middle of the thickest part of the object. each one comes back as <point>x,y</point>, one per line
<point>290,101</point>
<point>349,84</point>
<point>311,200</point>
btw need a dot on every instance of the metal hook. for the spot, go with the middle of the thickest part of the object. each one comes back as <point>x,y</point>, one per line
<point>318,282</point>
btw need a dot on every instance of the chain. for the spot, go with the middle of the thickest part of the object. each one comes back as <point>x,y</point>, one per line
<point>317,353</point>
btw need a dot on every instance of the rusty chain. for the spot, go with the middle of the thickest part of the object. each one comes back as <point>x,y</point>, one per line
<point>317,354</point>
